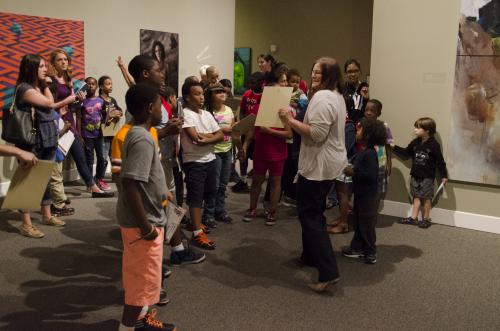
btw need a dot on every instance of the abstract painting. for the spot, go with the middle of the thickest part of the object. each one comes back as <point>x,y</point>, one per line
<point>24,34</point>
<point>242,69</point>
<point>474,142</point>
<point>163,46</point>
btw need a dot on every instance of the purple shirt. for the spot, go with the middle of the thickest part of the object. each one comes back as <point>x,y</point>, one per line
<point>62,92</point>
<point>92,117</point>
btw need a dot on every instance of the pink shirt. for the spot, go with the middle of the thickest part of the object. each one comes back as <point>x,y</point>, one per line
<point>268,147</point>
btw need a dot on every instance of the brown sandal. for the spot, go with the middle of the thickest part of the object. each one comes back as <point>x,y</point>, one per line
<point>339,228</point>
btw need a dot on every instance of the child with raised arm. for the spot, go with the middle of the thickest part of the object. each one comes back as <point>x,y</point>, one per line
<point>140,211</point>
<point>426,155</point>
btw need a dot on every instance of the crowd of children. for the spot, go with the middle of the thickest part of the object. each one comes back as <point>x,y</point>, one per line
<point>169,141</point>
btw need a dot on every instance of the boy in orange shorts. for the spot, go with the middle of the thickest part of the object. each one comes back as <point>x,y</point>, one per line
<point>141,212</point>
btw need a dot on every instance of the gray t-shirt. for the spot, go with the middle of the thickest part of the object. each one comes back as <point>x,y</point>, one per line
<point>141,162</point>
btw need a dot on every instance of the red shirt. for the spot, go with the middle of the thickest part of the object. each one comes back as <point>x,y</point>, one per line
<point>167,106</point>
<point>250,102</point>
<point>303,86</point>
<point>268,147</point>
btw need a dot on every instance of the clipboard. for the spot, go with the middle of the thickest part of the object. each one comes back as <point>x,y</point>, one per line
<point>245,124</point>
<point>28,185</point>
<point>66,140</point>
<point>273,99</point>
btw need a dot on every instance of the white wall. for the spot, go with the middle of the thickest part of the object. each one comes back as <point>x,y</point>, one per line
<point>205,27</point>
<point>412,73</point>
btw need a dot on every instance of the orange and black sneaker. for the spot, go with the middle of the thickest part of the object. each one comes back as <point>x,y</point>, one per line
<point>149,323</point>
<point>201,240</point>
<point>205,228</point>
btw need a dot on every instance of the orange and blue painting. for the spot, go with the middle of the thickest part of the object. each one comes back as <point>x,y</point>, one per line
<point>24,34</point>
<point>474,144</point>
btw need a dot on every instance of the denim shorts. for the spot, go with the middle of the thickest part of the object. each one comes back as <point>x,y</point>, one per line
<point>200,182</point>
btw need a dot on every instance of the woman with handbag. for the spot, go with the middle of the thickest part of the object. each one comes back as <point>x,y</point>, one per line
<point>62,87</point>
<point>33,97</point>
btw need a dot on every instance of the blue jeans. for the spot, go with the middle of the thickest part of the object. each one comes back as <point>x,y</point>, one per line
<point>96,144</point>
<point>215,206</point>
<point>78,154</point>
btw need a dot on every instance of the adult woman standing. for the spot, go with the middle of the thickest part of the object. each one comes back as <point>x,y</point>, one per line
<point>33,95</point>
<point>60,73</point>
<point>322,158</point>
<point>266,62</point>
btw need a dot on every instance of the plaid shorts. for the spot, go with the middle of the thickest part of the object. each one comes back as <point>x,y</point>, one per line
<point>422,187</point>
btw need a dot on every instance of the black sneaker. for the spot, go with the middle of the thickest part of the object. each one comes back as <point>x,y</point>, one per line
<point>408,221</point>
<point>289,202</point>
<point>149,323</point>
<point>163,298</point>
<point>186,256</point>
<point>425,223</point>
<point>240,187</point>
<point>370,258</point>
<point>209,222</point>
<point>348,252</point>
<point>224,219</point>
<point>234,178</point>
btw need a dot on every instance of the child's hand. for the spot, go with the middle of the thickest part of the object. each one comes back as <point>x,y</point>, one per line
<point>348,171</point>
<point>119,61</point>
<point>444,181</point>
<point>170,196</point>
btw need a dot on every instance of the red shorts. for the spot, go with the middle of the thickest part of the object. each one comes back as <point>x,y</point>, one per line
<point>275,168</point>
<point>141,267</point>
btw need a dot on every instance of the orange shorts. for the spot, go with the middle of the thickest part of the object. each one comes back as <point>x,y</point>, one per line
<point>141,267</point>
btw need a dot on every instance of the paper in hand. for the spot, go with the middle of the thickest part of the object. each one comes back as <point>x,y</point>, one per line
<point>174,217</point>
<point>439,190</point>
<point>273,99</point>
<point>66,140</point>
<point>245,124</point>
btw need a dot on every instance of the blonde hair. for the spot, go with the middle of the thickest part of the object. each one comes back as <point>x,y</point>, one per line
<point>52,66</point>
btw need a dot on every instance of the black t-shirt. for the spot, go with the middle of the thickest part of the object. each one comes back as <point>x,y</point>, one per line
<point>426,158</point>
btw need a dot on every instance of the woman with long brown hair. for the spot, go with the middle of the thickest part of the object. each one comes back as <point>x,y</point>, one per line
<point>60,73</point>
<point>322,158</point>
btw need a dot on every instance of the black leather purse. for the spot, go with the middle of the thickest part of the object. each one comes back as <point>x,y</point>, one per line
<point>19,126</point>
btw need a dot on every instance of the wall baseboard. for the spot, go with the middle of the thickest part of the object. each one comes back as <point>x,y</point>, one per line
<point>459,219</point>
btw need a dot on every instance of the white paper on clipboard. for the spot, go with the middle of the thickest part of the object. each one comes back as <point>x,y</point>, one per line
<point>66,140</point>
<point>273,99</point>
<point>439,190</point>
<point>174,217</point>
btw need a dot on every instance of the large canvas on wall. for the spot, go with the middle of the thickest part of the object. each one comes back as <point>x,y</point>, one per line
<point>163,46</point>
<point>242,70</point>
<point>474,143</point>
<point>24,34</point>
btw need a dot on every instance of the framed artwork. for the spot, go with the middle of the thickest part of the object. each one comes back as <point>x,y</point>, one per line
<point>24,34</point>
<point>473,153</point>
<point>163,46</point>
<point>242,69</point>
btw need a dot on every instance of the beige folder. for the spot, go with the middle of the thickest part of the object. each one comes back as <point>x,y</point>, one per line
<point>273,99</point>
<point>112,129</point>
<point>245,124</point>
<point>28,185</point>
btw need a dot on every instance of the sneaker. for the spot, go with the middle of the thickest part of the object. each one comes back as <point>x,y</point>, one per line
<point>165,270</point>
<point>103,185</point>
<point>31,232</point>
<point>250,215</point>
<point>425,223</point>
<point>234,178</point>
<point>202,241</point>
<point>163,298</point>
<point>65,211</point>
<point>102,194</point>
<point>149,323</point>
<point>209,222</point>
<point>186,256</point>
<point>240,187</point>
<point>224,219</point>
<point>289,202</point>
<point>408,221</point>
<point>348,252</point>
<point>54,221</point>
<point>370,258</point>
<point>271,217</point>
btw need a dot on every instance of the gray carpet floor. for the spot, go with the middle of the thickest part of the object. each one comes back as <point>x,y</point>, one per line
<point>441,278</point>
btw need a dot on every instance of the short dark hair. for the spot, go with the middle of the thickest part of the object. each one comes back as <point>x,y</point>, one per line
<point>226,83</point>
<point>169,91</point>
<point>102,79</point>
<point>277,70</point>
<point>186,87</point>
<point>377,104</point>
<point>374,132</point>
<point>352,61</point>
<point>256,81</point>
<point>426,123</point>
<point>140,63</point>
<point>268,57</point>
<point>139,97</point>
<point>293,72</point>
<point>89,78</point>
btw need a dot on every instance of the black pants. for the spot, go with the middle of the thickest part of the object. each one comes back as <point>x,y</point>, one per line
<point>364,222</point>
<point>317,248</point>
<point>289,172</point>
